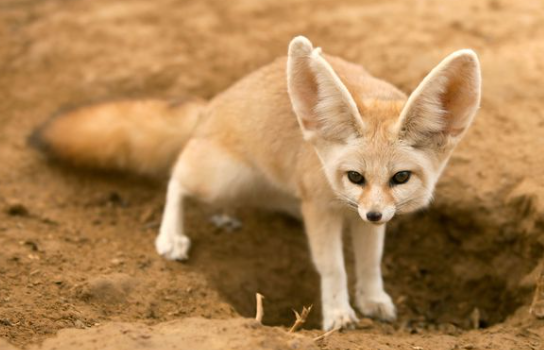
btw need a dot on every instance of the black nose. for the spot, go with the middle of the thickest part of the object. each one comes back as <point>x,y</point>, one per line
<point>373,216</point>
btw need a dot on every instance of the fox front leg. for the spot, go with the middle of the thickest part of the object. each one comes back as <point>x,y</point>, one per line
<point>371,298</point>
<point>324,230</point>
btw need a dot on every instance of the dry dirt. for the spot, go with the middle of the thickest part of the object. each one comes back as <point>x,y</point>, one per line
<point>77,264</point>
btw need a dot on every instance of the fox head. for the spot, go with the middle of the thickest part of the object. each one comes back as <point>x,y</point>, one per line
<point>382,156</point>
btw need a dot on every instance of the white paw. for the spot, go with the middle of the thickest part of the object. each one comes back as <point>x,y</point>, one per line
<point>377,305</point>
<point>344,318</point>
<point>173,247</point>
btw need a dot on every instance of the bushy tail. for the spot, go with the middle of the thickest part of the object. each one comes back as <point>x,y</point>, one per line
<point>139,136</point>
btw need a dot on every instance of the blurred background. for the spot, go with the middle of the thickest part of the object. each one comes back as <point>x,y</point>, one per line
<point>77,247</point>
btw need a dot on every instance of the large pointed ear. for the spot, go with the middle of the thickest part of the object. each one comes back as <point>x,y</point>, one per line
<point>324,107</point>
<point>441,109</point>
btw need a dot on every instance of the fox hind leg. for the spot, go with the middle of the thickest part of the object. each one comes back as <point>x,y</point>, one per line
<point>171,242</point>
<point>208,172</point>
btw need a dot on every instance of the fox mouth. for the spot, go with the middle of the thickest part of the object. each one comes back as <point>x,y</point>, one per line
<point>377,223</point>
<point>375,217</point>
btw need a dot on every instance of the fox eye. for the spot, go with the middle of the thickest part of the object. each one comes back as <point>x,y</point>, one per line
<point>356,178</point>
<point>401,177</point>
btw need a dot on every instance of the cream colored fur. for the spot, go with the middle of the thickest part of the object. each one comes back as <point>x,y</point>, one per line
<point>317,93</point>
<point>285,138</point>
<point>141,136</point>
<point>250,147</point>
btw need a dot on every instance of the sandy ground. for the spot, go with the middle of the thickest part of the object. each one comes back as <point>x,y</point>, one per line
<point>77,264</point>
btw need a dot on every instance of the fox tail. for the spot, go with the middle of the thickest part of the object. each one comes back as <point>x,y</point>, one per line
<point>137,136</point>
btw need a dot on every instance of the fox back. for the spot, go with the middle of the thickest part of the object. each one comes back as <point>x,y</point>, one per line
<point>335,119</point>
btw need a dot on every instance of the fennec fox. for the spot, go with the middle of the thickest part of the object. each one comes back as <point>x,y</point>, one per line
<point>312,135</point>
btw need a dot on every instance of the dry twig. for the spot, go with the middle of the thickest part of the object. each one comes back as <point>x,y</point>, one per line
<point>260,310</point>
<point>537,306</point>
<point>301,318</point>
<point>475,318</point>
<point>326,334</point>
